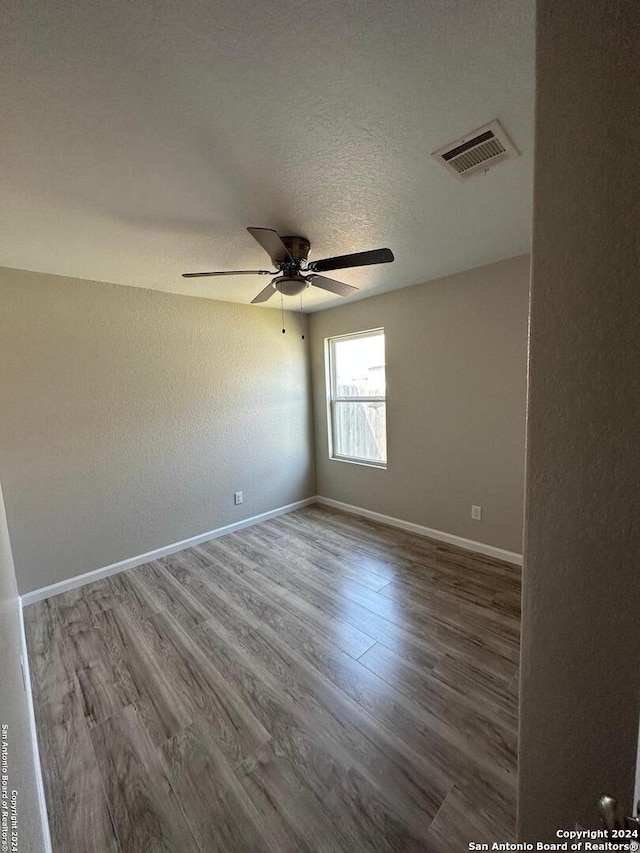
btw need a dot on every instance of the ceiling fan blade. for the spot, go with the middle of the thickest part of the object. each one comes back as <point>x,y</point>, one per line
<point>272,244</point>
<point>332,285</point>
<point>227,272</point>
<point>357,259</point>
<point>265,294</point>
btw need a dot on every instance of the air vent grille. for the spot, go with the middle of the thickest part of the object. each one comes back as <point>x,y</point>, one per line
<point>476,151</point>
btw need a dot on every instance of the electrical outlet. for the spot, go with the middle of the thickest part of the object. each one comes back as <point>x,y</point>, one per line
<point>476,513</point>
<point>237,498</point>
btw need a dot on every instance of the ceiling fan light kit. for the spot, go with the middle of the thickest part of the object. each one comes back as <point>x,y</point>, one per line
<point>291,285</point>
<point>294,273</point>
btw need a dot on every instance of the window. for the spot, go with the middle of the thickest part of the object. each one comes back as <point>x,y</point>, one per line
<point>357,398</point>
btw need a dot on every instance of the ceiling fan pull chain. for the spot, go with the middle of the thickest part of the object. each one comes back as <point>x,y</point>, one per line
<point>302,312</point>
<point>282,310</point>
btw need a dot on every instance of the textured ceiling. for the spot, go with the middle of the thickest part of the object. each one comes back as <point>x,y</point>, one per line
<point>139,139</point>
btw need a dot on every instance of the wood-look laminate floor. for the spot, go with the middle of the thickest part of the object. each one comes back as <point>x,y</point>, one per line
<point>317,682</point>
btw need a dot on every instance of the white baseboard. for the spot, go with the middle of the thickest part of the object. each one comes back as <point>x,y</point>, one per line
<point>42,802</point>
<point>88,577</point>
<point>449,538</point>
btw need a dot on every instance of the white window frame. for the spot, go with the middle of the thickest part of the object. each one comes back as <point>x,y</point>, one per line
<point>332,397</point>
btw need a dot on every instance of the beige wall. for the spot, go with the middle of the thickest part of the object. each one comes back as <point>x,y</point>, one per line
<point>129,417</point>
<point>581,620</point>
<point>456,352</point>
<point>13,703</point>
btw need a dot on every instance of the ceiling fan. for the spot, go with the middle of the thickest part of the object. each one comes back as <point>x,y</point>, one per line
<point>294,273</point>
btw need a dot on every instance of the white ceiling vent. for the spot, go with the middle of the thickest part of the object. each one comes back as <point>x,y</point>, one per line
<point>476,151</point>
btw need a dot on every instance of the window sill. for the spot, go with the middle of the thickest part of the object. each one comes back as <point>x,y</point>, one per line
<point>381,466</point>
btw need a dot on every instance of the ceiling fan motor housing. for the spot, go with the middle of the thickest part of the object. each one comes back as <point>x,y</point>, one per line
<point>290,282</point>
<point>298,247</point>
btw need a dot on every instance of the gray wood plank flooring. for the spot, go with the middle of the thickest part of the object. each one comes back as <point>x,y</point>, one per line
<point>312,684</point>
